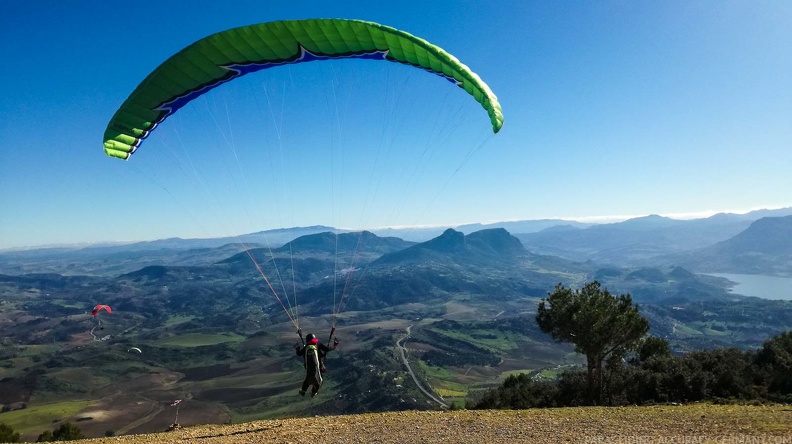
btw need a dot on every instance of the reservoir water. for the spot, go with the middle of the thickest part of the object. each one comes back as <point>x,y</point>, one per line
<point>766,287</point>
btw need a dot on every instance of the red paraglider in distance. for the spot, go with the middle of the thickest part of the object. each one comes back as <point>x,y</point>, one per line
<point>100,307</point>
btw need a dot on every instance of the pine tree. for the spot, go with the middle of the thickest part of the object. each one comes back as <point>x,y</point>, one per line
<point>598,323</point>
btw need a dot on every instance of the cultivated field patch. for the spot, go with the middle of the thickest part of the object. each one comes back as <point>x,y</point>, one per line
<point>28,421</point>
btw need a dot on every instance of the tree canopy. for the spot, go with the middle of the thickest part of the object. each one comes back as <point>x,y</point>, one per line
<point>599,324</point>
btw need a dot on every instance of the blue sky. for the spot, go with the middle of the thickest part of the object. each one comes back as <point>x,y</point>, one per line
<point>611,108</point>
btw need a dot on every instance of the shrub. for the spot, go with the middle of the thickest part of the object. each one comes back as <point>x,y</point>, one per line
<point>7,434</point>
<point>66,432</point>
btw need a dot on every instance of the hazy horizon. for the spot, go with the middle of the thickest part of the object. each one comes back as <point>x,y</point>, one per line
<point>594,220</point>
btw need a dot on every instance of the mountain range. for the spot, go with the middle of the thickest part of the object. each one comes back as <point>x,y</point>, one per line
<point>720,243</point>
<point>637,242</point>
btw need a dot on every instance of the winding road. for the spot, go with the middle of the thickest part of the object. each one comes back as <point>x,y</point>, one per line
<point>403,351</point>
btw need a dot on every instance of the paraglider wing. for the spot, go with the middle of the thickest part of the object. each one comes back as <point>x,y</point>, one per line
<point>224,56</point>
<point>101,307</point>
<point>135,349</point>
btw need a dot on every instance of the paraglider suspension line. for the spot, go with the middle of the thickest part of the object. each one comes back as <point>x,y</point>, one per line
<point>275,293</point>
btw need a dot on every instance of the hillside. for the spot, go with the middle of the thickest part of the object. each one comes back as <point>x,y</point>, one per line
<point>693,423</point>
<point>765,247</point>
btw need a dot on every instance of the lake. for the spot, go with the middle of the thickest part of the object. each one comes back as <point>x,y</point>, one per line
<point>766,287</point>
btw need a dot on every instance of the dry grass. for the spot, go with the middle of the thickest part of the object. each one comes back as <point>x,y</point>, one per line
<point>660,424</point>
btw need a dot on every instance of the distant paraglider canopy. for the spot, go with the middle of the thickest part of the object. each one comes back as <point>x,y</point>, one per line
<point>101,307</point>
<point>135,349</point>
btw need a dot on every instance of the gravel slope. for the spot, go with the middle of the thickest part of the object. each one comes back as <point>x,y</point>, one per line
<point>677,424</point>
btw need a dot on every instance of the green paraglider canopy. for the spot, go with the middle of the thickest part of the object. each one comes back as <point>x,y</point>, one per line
<point>224,56</point>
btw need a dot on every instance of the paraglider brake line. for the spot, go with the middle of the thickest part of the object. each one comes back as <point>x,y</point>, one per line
<point>332,331</point>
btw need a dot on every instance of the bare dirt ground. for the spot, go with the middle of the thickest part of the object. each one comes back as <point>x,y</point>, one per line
<point>659,424</point>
